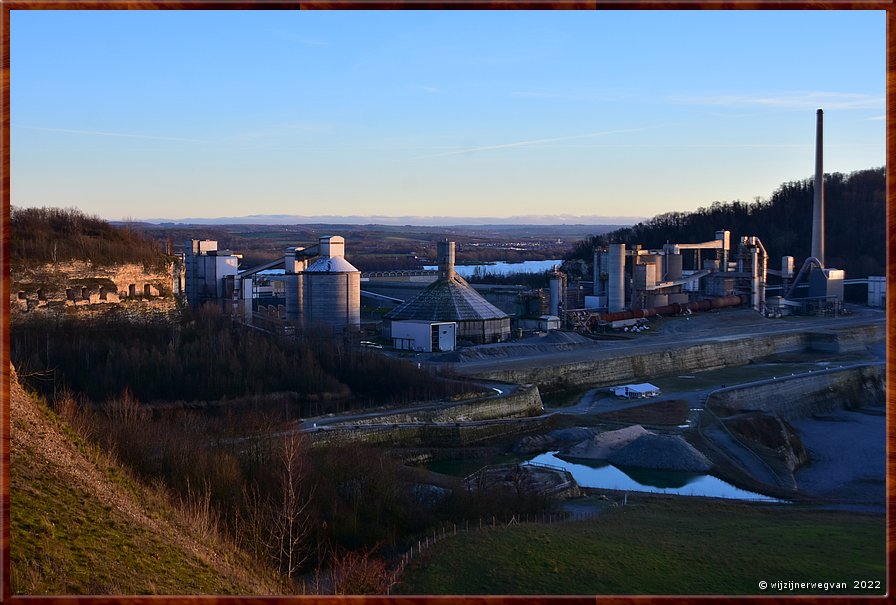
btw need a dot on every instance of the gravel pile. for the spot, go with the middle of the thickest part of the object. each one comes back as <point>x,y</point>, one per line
<point>602,445</point>
<point>666,452</point>
<point>531,444</point>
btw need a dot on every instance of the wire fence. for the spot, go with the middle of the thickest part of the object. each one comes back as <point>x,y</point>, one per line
<point>486,523</point>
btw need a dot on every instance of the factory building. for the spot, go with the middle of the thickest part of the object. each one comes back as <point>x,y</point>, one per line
<point>451,299</point>
<point>208,272</point>
<point>317,287</point>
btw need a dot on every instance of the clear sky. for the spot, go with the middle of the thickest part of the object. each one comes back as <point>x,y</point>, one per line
<point>174,114</point>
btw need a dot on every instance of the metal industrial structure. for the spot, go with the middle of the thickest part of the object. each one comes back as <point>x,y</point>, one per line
<point>630,284</point>
<point>451,299</point>
<point>208,272</point>
<point>320,288</point>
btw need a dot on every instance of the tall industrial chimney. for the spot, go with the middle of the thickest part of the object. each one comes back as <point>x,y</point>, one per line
<point>445,259</point>
<point>818,206</point>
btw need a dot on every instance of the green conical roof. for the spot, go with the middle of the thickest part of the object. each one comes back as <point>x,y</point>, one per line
<point>448,299</point>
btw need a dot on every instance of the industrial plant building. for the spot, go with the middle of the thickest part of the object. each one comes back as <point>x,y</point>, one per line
<point>425,310</point>
<point>451,299</point>
<point>206,272</point>
<point>320,288</point>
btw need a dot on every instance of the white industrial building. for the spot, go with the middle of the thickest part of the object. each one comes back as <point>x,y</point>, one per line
<point>636,391</point>
<point>205,271</point>
<point>425,336</point>
<point>877,291</point>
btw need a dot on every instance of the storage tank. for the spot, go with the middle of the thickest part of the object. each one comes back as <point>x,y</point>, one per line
<point>674,264</point>
<point>332,288</point>
<point>616,280</point>
<point>294,267</point>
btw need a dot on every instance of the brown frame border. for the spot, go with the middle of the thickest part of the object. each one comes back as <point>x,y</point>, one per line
<point>8,5</point>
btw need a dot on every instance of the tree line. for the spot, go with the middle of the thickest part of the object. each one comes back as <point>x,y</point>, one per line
<point>51,235</point>
<point>207,357</point>
<point>855,219</point>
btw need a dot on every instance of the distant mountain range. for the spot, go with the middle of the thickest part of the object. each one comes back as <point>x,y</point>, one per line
<point>292,219</point>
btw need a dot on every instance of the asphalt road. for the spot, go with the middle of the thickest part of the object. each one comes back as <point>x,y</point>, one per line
<point>710,327</point>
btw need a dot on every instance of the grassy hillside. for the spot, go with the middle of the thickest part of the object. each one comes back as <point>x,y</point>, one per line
<point>81,525</point>
<point>661,545</point>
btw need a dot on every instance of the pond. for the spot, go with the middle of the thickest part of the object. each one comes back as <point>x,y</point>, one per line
<point>503,267</point>
<point>600,474</point>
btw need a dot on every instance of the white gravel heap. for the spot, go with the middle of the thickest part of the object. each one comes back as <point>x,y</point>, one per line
<point>603,444</point>
<point>666,452</point>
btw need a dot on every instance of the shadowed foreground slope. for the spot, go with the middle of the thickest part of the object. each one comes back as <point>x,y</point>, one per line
<point>81,525</point>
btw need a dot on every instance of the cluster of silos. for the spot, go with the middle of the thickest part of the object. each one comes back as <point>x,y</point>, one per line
<point>325,293</point>
<point>649,270</point>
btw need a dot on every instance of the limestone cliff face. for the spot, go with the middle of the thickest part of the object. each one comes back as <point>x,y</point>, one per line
<point>69,286</point>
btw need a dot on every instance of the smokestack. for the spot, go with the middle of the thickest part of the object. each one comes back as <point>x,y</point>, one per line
<point>818,206</point>
<point>445,259</point>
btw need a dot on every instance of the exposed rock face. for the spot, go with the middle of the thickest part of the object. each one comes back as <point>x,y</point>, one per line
<point>665,452</point>
<point>771,437</point>
<point>76,286</point>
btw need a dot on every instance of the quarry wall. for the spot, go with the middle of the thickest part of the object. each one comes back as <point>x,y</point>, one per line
<point>802,396</point>
<point>72,287</point>
<point>434,428</point>
<point>717,353</point>
<point>524,401</point>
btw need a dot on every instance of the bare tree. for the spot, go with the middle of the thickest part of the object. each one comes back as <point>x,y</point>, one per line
<point>291,519</point>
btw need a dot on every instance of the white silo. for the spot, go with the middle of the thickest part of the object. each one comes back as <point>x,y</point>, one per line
<point>332,288</point>
<point>616,281</point>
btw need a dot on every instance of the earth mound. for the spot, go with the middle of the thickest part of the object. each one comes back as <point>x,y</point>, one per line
<point>662,452</point>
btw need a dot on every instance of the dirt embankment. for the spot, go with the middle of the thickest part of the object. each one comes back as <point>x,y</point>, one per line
<point>80,524</point>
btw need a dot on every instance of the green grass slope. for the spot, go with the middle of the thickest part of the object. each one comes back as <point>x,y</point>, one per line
<point>662,545</point>
<point>81,525</point>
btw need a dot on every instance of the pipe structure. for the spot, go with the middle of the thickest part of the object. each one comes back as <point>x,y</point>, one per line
<point>809,262</point>
<point>674,309</point>
<point>818,204</point>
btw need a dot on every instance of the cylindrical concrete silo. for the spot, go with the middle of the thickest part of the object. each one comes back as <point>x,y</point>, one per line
<point>674,265</point>
<point>332,288</point>
<point>616,279</point>
<point>555,295</point>
<point>294,266</point>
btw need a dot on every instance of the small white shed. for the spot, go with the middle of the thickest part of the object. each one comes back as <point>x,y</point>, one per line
<point>424,336</point>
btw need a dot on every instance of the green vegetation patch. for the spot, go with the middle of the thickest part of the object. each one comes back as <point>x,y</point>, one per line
<point>65,541</point>
<point>661,545</point>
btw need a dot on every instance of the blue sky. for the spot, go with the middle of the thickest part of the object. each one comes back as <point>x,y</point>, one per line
<point>173,114</point>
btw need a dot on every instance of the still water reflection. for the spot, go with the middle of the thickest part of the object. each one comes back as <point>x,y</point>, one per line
<point>602,475</point>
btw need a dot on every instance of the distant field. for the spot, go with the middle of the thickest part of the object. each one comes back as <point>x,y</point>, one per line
<point>661,545</point>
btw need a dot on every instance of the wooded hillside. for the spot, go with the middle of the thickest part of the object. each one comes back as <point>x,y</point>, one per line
<point>50,235</point>
<point>855,219</point>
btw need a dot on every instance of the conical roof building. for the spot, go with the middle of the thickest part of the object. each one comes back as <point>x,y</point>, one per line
<point>451,298</point>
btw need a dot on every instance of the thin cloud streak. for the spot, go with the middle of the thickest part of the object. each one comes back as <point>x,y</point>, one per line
<point>112,134</point>
<point>790,100</point>
<point>531,142</point>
